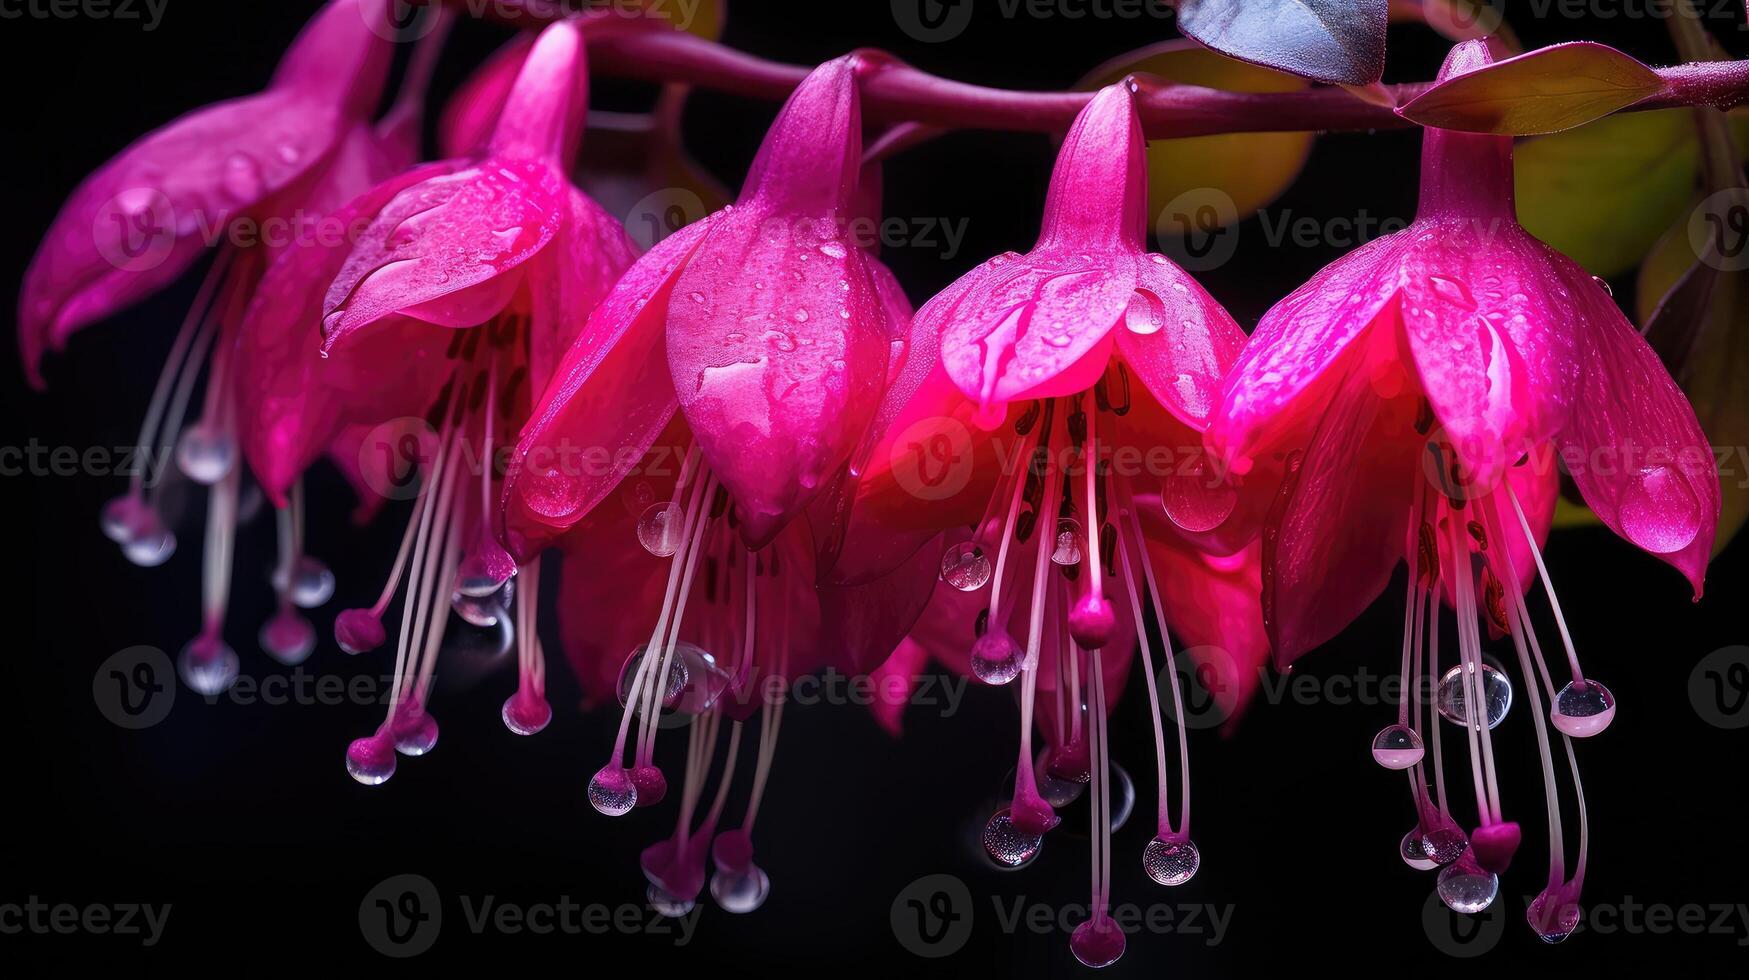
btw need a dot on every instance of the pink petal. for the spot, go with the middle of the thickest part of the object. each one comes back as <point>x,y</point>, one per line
<point>542,116</point>
<point>1032,326</point>
<point>609,399</point>
<point>1633,445</point>
<point>139,222</point>
<point>1486,313</point>
<point>473,110</point>
<point>894,681</point>
<point>777,340</point>
<point>1296,343</point>
<point>570,278</point>
<point>292,400</point>
<point>862,624</point>
<point>445,250</point>
<point>1180,341</point>
<point>1099,192</point>
<point>1342,522</point>
<point>1214,615</point>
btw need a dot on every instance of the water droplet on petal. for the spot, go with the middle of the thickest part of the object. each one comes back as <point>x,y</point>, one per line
<point>1659,510</point>
<point>833,250</point>
<point>242,177</point>
<point>1452,291</point>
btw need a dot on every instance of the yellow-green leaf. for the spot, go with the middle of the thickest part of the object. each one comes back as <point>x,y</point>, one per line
<point>1542,91</point>
<point>1251,168</point>
<point>1604,192</point>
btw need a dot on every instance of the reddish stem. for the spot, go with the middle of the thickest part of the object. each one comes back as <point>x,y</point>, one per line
<point>895,92</point>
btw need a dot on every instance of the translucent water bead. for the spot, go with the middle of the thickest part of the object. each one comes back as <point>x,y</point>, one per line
<point>996,658</point>
<point>611,792</point>
<point>1583,708</point>
<point>1466,888</point>
<point>205,454</point>
<point>965,567</point>
<point>1496,695</point>
<point>1171,860</point>
<point>695,679</point>
<point>1413,851</point>
<point>208,666</point>
<point>1098,942</point>
<point>307,584</point>
<point>1007,845</point>
<point>1397,747</point>
<point>660,527</point>
<point>741,892</point>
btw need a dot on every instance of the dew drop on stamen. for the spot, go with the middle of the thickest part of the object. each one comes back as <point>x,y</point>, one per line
<point>207,666</point>
<point>741,892</point>
<point>965,567</point>
<point>1496,693</point>
<point>371,760</point>
<point>1171,860</point>
<point>1397,747</point>
<point>1069,537</point>
<point>150,546</point>
<point>611,792</point>
<point>1445,844</point>
<point>205,455</point>
<point>1467,889</point>
<point>307,584</point>
<point>1007,845</point>
<point>996,658</point>
<point>1413,851</point>
<point>1583,708</point>
<point>668,904</point>
<point>659,529</point>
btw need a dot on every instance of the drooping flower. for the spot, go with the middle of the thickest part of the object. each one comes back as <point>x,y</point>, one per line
<point>433,325</point>
<point>713,396</point>
<point>1029,434</point>
<point>1424,388</point>
<point>245,180</point>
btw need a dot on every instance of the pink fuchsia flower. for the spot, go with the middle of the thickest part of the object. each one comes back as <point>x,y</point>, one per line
<point>1029,434</point>
<point>449,301</point>
<point>1424,387</point>
<point>716,393</point>
<point>243,179</point>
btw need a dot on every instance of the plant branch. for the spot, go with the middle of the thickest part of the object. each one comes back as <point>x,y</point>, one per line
<point>894,92</point>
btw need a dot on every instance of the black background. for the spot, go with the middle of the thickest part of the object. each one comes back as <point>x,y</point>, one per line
<point>242,819</point>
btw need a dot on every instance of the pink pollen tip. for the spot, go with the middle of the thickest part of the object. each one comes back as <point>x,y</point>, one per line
<point>651,785</point>
<point>733,851</point>
<point>1495,844</point>
<point>1092,622</point>
<point>1098,942</point>
<point>1032,815</point>
<point>359,631</point>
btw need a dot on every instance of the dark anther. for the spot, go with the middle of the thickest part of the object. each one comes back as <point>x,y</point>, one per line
<point>1108,548</point>
<point>1028,418</point>
<point>1424,418</point>
<point>981,624</point>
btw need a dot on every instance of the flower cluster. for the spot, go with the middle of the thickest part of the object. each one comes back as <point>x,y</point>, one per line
<point>755,460</point>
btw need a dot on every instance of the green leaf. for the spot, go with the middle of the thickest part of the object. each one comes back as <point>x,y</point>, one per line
<point>1603,193</point>
<point>1337,41</point>
<point>1542,91</point>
